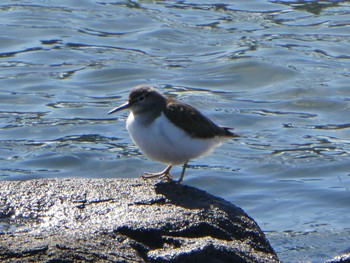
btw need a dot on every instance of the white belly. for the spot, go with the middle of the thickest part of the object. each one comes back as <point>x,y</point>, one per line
<point>164,142</point>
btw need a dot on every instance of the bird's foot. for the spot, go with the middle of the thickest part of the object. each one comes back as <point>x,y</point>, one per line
<point>160,175</point>
<point>165,174</point>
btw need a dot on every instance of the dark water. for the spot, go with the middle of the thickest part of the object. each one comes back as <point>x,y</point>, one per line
<point>277,71</point>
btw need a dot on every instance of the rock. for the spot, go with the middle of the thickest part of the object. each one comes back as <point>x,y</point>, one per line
<point>343,258</point>
<point>123,220</point>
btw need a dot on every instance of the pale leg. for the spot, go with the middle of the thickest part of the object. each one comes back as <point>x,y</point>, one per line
<point>182,173</point>
<point>163,174</point>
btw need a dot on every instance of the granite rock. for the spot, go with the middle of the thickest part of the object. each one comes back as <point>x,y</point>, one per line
<point>343,258</point>
<point>123,220</point>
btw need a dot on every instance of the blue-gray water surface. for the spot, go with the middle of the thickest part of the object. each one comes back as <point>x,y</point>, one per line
<point>276,71</point>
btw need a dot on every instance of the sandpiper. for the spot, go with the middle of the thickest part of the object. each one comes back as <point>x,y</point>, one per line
<point>169,131</point>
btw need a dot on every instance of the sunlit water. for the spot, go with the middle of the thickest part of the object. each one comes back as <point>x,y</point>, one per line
<point>278,71</point>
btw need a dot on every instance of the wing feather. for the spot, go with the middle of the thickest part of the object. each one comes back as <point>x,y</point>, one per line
<point>193,121</point>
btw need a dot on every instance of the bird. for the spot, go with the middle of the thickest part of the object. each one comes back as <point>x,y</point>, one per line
<point>169,131</point>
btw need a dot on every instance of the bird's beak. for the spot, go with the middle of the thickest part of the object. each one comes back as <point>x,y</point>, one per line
<point>121,107</point>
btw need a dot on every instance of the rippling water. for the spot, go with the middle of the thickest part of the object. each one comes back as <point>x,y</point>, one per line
<point>277,71</point>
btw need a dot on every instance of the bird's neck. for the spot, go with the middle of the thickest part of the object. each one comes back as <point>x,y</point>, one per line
<point>146,118</point>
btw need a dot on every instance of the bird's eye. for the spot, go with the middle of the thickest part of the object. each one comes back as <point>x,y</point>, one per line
<point>141,98</point>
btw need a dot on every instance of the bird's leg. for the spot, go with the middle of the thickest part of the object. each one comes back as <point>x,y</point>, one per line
<point>182,173</point>
<point>163,174</point>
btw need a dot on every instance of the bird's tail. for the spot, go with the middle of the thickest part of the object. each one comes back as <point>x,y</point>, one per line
<point>228,132</point>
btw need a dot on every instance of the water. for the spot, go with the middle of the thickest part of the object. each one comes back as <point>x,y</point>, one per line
<point>277,71</point>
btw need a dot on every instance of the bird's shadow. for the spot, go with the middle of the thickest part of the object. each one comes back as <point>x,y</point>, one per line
<point>190,197</point>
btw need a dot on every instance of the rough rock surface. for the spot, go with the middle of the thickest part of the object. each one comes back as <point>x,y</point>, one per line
<point>123,220</point>
<point>343,258</point>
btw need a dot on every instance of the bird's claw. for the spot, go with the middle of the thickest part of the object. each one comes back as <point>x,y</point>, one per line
<point>161,175</point>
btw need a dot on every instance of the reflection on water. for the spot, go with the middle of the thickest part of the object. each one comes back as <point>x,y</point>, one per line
<point>277,71</point>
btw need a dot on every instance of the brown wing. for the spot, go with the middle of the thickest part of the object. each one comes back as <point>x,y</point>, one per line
<point>193,121</point>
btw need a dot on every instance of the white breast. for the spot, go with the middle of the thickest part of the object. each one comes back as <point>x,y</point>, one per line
<point>164,142</point>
